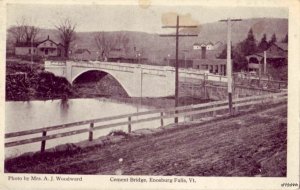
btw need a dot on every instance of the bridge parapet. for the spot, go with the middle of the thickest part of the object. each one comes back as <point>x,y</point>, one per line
<point>54,63</point>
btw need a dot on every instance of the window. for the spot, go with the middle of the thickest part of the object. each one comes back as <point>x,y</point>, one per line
<point>29,51</point>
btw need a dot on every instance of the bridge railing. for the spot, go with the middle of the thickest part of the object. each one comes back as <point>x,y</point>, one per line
<point>130,119</point>
<point>54,63</point>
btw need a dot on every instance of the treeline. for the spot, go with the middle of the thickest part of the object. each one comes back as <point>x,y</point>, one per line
<point>31,83</point>
<point>247,47</point>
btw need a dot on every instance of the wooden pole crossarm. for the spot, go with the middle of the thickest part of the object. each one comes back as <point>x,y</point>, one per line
<point>225,20</point>
<point>179,35</point>
<point>179,26</point>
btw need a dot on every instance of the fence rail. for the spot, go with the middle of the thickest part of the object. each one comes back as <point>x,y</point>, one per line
<point>164,113</point>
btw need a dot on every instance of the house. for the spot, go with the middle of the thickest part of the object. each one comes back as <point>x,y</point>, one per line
<point>276,55</point>
<point>81,54</point>
<point>196,46</point>
<point>26,48</point>
<point>131,55</point>
<point>202,59</point>
<point>45,48</point>
<point>209,46</point>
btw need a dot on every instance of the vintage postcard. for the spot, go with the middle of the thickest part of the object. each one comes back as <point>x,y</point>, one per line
<point>146,94</point>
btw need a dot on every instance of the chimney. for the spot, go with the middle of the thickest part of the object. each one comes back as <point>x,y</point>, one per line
<point>203,52</point>
<point>48,37</point>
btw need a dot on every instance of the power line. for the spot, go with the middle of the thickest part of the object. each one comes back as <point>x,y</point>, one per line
<point>177,35</point>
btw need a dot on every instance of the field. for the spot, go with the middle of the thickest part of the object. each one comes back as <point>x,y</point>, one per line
<point>253,143</point>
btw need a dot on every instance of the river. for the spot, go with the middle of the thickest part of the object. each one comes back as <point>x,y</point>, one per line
<point>28,115</point>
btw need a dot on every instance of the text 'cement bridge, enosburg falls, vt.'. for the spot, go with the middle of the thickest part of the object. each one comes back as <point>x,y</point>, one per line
<point>136,79</point>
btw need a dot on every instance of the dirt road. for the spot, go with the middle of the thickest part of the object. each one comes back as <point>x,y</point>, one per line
<point>251,144</point>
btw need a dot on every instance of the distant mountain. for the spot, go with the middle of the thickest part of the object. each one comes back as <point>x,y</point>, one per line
<point>157,48</point>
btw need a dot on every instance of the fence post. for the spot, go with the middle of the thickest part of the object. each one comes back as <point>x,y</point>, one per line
<point>43,144</point>
<point>235,104</point>
<point>204,84</point>
<point>214,112</point>
<point>91,132</point>
<point>129,124</point>
<point>161,119</point>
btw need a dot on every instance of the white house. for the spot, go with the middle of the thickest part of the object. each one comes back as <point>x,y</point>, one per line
<point>196,46</point>
<point>46,48</point>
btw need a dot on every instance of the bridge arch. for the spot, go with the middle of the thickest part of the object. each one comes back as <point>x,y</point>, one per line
<point>118,78</point>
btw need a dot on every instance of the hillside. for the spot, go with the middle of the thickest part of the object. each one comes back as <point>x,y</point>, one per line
<point>156,48</point>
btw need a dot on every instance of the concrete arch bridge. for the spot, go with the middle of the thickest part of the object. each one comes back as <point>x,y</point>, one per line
<point>137,80</point>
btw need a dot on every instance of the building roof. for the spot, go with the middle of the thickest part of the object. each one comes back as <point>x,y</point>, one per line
<point>209,43</point>
<point>35,44</point>
<point>269,55</point>
<point>191,54</point>
<point>283,46</point>
<point>47,40</point>
<point>214,61</point>
<point>27,44</point>
<point>81,51</point>
<point>274,55</point>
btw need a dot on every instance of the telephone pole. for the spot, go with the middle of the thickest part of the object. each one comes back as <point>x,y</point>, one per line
<point>229,62</point>
<point>177,35</point>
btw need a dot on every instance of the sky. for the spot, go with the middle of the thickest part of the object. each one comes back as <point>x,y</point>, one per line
<point>130,17</point>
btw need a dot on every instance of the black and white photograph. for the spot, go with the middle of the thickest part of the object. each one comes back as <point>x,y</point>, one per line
<point>147,93</point>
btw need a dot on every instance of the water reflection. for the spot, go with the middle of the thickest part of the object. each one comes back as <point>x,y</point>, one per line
<point>64,107</point>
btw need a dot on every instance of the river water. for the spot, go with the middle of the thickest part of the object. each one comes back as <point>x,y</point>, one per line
<point>22,116</point>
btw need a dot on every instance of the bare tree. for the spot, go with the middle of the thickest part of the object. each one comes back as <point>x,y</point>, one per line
<point>122,41</point>
<point>24,31</point>
<point>67,34</point>
<point>30,33</point>
<point>107,42</point>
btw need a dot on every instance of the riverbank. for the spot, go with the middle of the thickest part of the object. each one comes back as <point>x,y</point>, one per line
<point>29,81</point>
<point>253,143</point>
<point>25,82</point>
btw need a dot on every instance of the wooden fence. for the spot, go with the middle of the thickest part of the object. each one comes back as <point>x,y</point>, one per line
<point>161,114</point>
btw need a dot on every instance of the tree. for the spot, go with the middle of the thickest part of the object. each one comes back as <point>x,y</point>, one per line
<point>273,39</point>
<point>106,42</point>
<point>223,54</point>
<point>17,33</point>
<point>30,33</point>
<point>263,44</point>
<point>67,34</point>
<point>24,31</point>
<point>285,39</point>
<point>249,44</point>
<point>122,41</point>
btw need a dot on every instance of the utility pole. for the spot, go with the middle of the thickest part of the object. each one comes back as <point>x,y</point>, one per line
<point>229,62</point>
<point>265,63</point>
<point>177,35</point>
